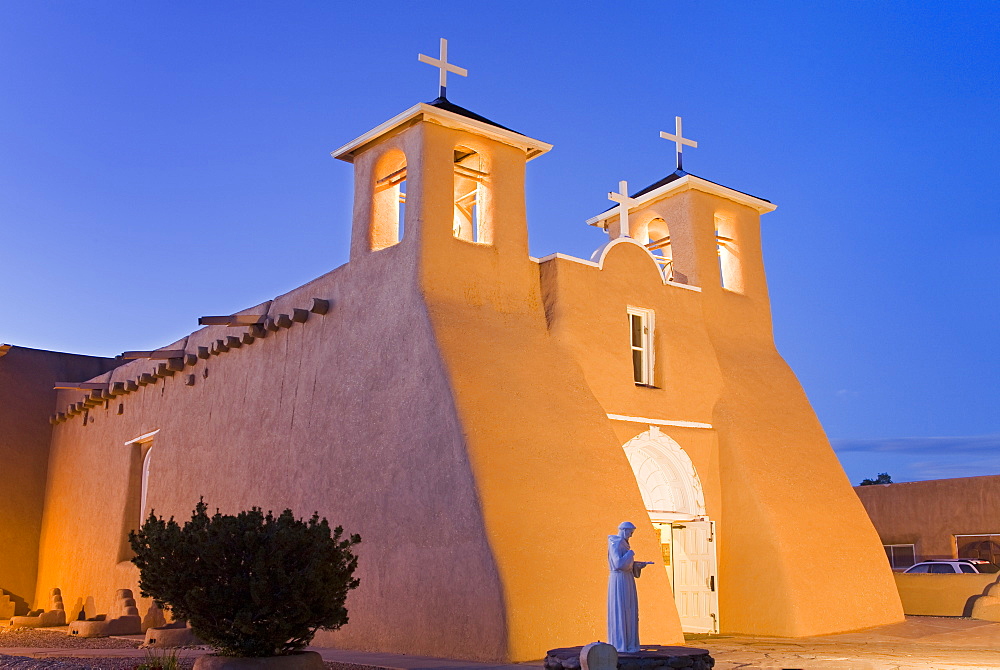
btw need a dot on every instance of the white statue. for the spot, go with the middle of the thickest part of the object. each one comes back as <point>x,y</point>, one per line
<point>623,604</point>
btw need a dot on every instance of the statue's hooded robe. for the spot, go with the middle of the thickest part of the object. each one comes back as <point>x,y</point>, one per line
<point>623,604</point>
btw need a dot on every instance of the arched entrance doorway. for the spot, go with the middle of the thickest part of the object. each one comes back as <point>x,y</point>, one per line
<point>672,493</point>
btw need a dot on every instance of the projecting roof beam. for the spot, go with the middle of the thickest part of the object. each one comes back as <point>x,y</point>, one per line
<point>82,386</point>
<point>159,354</point>
<point>232,320</point>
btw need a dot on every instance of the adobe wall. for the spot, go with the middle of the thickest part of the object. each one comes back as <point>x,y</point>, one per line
<point>930,514</point>
<point>551,478</point>
<point>430,411</point>
<point>774,484</point>
<point>348,414</point>
<point>942,595</point>
<point>26,401</point>
<point>586,309</point>
<point>785,494</point>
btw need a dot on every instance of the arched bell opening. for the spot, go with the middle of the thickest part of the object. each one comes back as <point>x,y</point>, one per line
<point>389,204</point>
<point>472,221</point>
<point>658,242</point>
<point>727,245</point>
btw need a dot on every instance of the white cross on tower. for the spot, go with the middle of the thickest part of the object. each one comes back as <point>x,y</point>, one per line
<point>443,66</point>
<point>680,141</point>
<point>624,202</point>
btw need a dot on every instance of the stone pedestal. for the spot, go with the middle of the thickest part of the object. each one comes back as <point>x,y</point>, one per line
<point>651,656</point>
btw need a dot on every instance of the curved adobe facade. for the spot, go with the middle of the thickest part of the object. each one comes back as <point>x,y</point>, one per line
<point>771,481</point>
<point>463,407</point>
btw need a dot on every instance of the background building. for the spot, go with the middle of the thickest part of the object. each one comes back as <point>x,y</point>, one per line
<point>942,518</point>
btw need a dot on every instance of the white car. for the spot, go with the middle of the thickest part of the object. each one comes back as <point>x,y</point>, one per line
<point>952,566</point>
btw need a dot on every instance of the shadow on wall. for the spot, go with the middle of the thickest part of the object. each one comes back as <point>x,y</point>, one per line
<point>81,610</point>
<point>155,617</point>
<point>12,604</point>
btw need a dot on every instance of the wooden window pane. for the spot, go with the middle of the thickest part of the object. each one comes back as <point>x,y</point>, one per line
<point>636,329</point>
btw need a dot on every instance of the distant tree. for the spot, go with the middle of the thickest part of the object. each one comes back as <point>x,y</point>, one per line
<point>883,478</point>
<point>250,584</point>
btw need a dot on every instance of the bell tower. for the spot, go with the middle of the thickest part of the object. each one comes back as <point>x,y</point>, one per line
<point>443,187</point>
<point>701,234</point>
<point>437,162</point>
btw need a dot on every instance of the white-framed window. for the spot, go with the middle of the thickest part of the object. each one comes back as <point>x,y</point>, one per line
<point>144,482</point>
<point>901,556</point>
<point>640,325</point>
<point>137,492</point>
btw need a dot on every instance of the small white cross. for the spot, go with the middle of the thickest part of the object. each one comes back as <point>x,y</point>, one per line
<point>443,66</point>
<point>680,141</point>
<point>624,202</point>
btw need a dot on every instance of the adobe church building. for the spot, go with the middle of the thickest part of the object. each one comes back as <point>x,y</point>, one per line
<point>483,419</point>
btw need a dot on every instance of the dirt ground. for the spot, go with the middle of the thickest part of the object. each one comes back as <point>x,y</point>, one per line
<point>919,643</point>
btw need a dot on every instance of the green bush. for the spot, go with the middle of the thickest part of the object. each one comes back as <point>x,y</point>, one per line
<point>250,584</point>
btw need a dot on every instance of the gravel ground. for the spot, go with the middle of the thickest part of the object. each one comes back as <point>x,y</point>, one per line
<point>69,663</point>
<point>25,663</point>
<point>48,638</point>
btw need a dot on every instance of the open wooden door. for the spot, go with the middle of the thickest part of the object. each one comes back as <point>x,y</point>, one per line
<point>695,580</point>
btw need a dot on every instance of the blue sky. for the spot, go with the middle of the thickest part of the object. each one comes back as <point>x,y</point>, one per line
<point>164,160</point>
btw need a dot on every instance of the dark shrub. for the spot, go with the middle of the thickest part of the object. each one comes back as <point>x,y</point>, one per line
<point>250,584</point>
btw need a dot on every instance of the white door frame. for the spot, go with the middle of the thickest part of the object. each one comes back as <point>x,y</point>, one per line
<point>672,493</point>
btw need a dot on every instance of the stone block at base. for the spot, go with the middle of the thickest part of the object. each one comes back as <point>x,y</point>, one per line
<point>651,656</point>
<point>986,608</point>
<point>304,660</point>
<point>49,619</point>
<point>171,635</point>
<point>123,625</point>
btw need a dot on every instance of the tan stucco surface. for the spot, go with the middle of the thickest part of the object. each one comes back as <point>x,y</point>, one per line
<point>941,595</point>
<point>783,505</point>
<point>347,414</point>
<point>540,444</point>
<point>26,401</point>
<point>433,416</point>
<point>930,514</point>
